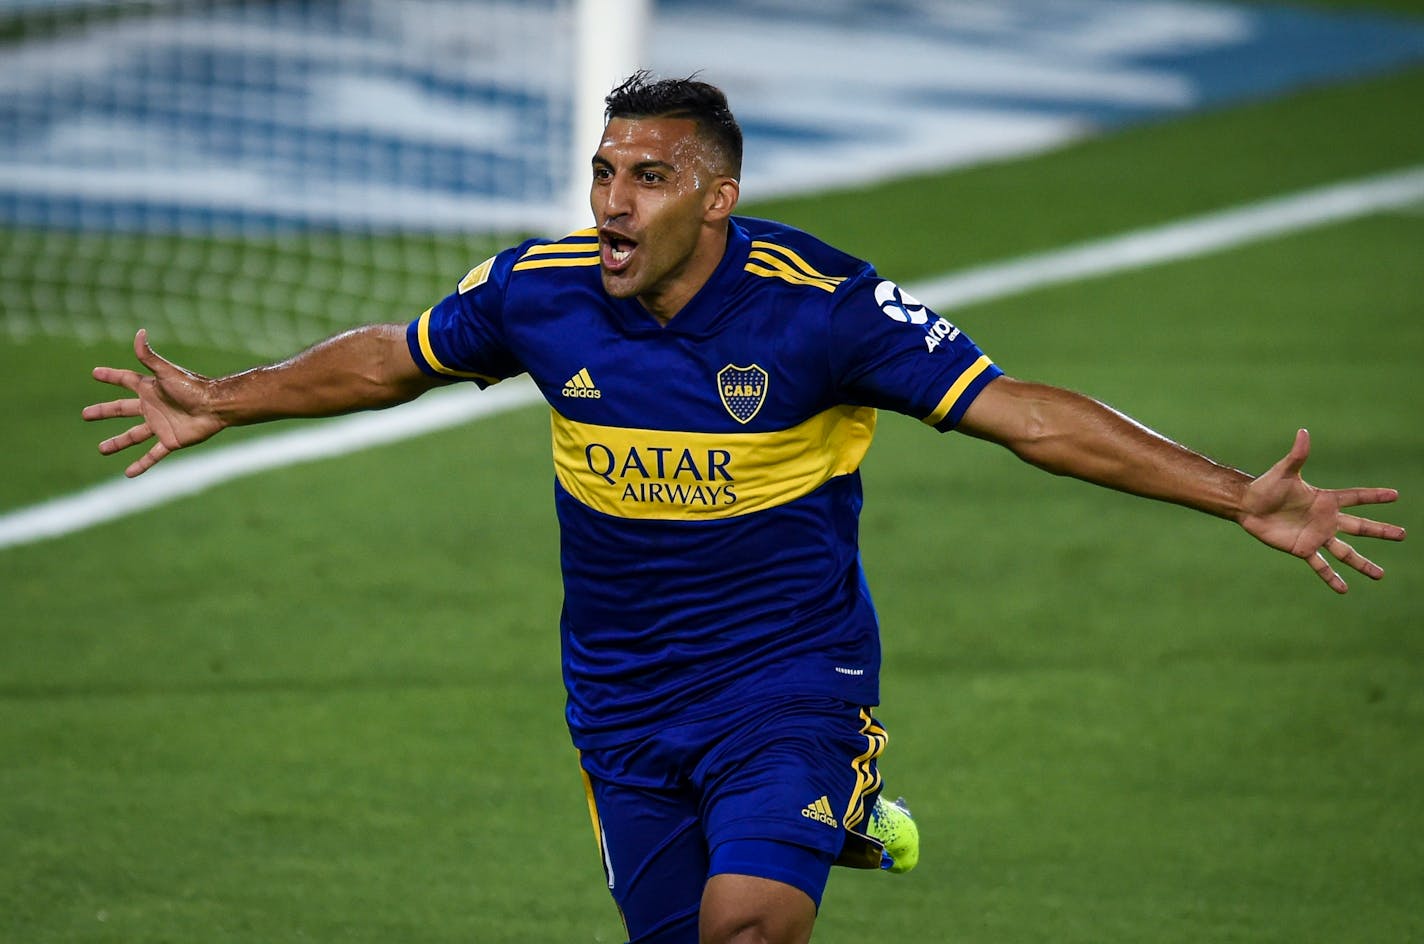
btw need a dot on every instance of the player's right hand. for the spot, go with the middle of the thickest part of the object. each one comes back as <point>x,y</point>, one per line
<point>172,402</point>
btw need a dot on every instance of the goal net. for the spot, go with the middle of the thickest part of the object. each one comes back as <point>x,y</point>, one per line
<point>255,174</point>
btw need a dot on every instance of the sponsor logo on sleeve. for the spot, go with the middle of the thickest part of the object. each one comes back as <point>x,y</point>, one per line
<point>899,305</point>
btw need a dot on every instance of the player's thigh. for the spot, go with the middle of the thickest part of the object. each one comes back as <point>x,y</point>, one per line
<point>654,858</point>
<point>796,778</point>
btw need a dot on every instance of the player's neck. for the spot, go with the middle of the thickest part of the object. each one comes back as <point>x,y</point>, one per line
<point>673,293</point>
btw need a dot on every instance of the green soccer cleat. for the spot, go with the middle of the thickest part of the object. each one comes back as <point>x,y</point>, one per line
<point>892,824</point>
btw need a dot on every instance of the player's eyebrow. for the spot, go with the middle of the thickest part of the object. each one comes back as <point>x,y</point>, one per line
<point>654,165</point>
<point>600,161</point>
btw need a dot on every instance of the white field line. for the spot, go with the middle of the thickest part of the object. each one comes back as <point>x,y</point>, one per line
<point>188,474</point>
<point>1184,239</point>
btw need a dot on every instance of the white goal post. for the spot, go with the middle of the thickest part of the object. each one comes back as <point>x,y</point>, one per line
<point>612,39</point>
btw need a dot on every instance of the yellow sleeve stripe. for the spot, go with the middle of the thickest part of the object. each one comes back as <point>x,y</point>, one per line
<point>772,261</point>
<point>422,332</point>
<point>780,270</point>
<point>568,249</point>
<point>955,392</point>
<point>787,275</point>
<point>557,262</point>
<point>574,249</point>
<point>795,260</point>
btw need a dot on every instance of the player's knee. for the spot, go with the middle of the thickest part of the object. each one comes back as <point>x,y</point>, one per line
<point>751,929</point>
<point>741,909</point>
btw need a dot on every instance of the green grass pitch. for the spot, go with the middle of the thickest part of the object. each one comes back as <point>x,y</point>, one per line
<point>324,704</point>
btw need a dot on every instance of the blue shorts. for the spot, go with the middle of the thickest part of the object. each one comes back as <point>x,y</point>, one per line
<point>768,792</point>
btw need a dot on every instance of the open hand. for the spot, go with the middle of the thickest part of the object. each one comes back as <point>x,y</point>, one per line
<point>1287,513</point>
<point>172,404</point>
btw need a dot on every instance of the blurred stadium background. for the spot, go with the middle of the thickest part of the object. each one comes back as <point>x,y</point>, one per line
<point>323,702</point>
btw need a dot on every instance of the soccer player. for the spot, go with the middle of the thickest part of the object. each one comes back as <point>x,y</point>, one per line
<point>713,383</point>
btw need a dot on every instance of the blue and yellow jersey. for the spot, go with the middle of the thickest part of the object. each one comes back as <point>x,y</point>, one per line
<point>705,472</point>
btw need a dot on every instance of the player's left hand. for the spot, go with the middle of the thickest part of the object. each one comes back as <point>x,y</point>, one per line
<point>1284,511</point>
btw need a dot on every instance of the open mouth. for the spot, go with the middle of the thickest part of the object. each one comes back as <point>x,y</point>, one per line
<point>617,251</point>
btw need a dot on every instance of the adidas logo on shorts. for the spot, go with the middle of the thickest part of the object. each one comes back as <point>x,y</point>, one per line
<point>820,810</point>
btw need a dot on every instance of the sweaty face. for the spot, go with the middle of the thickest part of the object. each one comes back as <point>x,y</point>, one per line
<point>652,193</point>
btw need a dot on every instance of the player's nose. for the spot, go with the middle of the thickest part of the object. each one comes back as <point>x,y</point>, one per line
<point>615,199</point>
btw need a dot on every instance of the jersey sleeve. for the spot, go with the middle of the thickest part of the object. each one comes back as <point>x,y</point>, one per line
<point>463,335</point>
<point>892,352</point>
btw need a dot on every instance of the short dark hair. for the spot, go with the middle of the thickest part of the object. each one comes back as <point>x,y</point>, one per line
<point>643,96</point>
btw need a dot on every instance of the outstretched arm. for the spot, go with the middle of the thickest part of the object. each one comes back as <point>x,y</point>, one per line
<point>361,369</point>
<point>1070,434</point>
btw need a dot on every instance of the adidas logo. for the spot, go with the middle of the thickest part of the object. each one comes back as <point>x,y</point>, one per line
<point>581,385</point>
<point>820,811</point>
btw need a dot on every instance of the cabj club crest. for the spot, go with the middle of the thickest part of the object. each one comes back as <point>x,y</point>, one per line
<point>743,390</point>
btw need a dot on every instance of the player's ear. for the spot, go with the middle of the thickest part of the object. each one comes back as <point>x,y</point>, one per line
<point>722,199</point>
